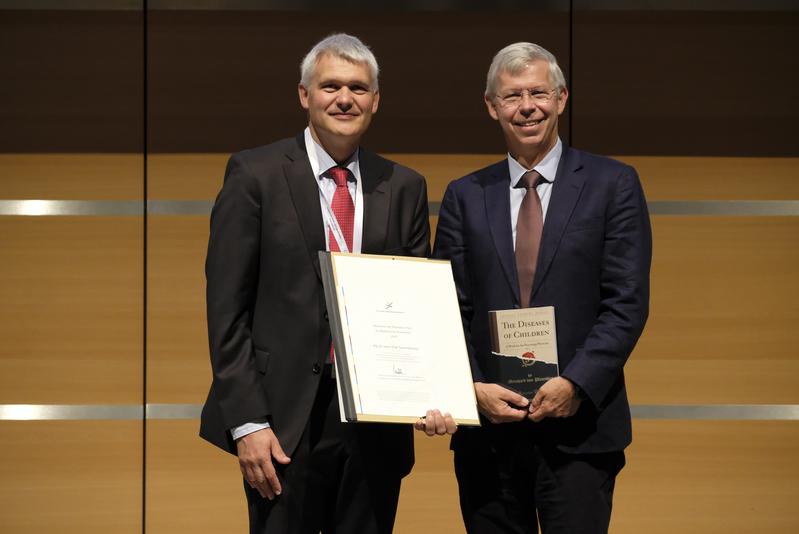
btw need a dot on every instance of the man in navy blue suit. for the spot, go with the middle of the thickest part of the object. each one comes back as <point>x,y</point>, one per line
<point>547,226</point>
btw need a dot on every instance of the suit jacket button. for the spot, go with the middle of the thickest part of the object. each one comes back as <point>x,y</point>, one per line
<point>316,368</point>
<point>326,316</point>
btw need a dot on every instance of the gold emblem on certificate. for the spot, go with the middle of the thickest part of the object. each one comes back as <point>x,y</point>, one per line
<point>524,348</point>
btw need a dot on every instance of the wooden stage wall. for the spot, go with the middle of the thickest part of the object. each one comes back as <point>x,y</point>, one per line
<point>106,183</point>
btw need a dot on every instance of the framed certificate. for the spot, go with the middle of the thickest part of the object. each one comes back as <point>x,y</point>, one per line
<point>398,338</point>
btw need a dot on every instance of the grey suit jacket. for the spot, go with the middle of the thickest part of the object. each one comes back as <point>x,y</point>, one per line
<point>267,322</point>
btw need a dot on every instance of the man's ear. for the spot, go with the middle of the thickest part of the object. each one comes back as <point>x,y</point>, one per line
<point>303,93</point>
<point>492,109</point>
<point>376,101</point>
<point>562,98</point>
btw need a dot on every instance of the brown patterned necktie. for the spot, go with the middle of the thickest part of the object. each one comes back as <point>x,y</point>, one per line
<point>529,226</point>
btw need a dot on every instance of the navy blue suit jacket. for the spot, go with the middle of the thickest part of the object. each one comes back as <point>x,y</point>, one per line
<point>593,267</point>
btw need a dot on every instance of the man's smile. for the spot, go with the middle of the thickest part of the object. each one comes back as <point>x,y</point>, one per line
<point>529,123</point>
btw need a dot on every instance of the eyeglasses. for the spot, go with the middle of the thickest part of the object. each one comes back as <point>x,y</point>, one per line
<point>514,98</point>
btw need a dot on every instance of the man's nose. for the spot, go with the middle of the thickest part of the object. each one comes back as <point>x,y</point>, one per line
<point>344,99</point>
<point>527,104</point>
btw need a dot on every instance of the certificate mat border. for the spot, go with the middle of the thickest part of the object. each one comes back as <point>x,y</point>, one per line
<point>327,269</point>
<point>351,378</point>
<point>392,257</point>
<point>360,416</point>
<point>371,418</point>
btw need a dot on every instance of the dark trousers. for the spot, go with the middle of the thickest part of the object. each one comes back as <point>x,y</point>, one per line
<point>336,482</point>
<point>510,484</point>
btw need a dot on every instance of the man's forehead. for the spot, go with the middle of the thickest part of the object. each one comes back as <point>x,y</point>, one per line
<point>339,68</point>
<point>533,72</point>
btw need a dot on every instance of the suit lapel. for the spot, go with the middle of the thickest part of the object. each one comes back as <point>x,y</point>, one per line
<point>376,201</point>
<point>305,196</point>
<point>565,192</point>
<point>497,204</point>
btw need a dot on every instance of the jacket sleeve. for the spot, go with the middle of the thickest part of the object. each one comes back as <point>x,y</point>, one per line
<point>624,292</point>
<point>419,243</point>
<point>231,270</point>
<point>450,245</point>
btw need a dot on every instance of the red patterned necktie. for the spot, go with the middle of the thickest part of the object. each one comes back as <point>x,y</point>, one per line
<point>342,206</point>
<point>344,211</point>
<point>529,226</point>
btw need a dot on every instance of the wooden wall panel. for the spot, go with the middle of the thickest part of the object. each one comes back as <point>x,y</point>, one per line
<point>691,316</point>
<point>71,319</point>
<point>725,297</point>
<point>72,176</point>
<point>185,176</point>
<point>192,487</point>
<point>441,169</point>
<point>681,476</point>
<point>725,287</point>
<point>758,380</point>
<point>709,477</point>
<point>199,176</point>
<point>429,495</point>
<point>71,477</point>
<point>195,488</point>
<point>704,178</point>
<point>664,178</point>
<point>178,365</point>
<point>178,368</point>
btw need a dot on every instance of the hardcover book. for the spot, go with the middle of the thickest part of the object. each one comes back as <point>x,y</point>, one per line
<point>524,348</point>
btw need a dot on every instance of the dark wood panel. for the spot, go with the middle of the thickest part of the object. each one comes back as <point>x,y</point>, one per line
<point>645,82</point>
<point>72,81</point>
<point>686,82</point>
<point>223,81</point>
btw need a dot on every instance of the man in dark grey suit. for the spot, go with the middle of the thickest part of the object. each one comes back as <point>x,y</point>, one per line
<point>273,398</point>
<point>547,226</point>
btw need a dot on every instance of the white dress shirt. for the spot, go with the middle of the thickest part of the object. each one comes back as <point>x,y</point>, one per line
<point>548,168</point>
<point>320,163</point>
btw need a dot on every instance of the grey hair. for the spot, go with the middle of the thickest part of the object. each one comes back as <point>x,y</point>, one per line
<point>340,45</point>
<point>515,57</point>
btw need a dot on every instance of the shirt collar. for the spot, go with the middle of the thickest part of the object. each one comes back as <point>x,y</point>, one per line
<point>547,167</point>
<point>321,160</point>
